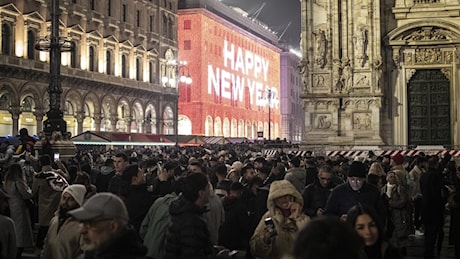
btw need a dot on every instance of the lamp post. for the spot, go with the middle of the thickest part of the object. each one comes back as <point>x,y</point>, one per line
<point>181,75</point>
<point>270,97</point>
<point>55,45</point>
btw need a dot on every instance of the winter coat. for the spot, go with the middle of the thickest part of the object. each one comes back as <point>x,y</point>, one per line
<point>155,225</point>
<point>48,199</point>
<point>103,178</point>
<point>18,192</point>
<point>398,215</point>
<point>7,238</point>
<point>64,241</point>
<point>343,197</point>
<point>138,201</point>
<point>402,174</point>
<point>188,235</point>
<point>314,197</point>
<point>214,217</point>
<point>126,244</point>
<point>414,183</point>
<point>233,234</point>
<point>297,176</point>
<point>432,202</point>
<point>286,228</point>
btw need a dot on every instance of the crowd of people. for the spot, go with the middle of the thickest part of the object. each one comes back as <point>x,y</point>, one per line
<point>222,201</point>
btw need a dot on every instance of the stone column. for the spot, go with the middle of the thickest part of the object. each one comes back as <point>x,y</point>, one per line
<point>15,113</point>
<point>80,116</point>
<point>97,121</point>
<point>113,122</point>
<point>39,113</point>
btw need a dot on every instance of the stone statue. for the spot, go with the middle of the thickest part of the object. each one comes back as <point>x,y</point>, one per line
<point>304,72</point>
<point>347,77</point>
<point>378,72</point>
<point>320,37</point>
<point>360,40</point>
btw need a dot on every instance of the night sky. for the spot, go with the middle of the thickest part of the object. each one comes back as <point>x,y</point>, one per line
<point>276,14</point>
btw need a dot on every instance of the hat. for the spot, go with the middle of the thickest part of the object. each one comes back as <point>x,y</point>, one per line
<point>357,169</point>
<point>77,191</point>
<point>101,205</point>
<point>398,159</point>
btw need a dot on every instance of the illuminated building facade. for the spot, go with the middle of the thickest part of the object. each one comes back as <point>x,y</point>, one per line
<point>235,71</point>
<point>111,82</point>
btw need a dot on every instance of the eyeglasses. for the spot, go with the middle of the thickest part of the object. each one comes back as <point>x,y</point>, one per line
<point>93,222</point>
<point>355,179</point>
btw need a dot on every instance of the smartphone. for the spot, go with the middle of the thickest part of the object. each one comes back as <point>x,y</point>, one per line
<point>56,156</point>
<point>232,253</point>
<point>270,225</point>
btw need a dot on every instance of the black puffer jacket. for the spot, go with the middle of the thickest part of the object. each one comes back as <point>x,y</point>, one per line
<point>234,233</point>
<point>188,235</point>
<point>127,245</point>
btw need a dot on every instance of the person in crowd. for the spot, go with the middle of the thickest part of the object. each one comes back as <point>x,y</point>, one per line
<point>84,179</point>
<point>195,166</point>
<point>296,175</point>
<point>277,173</point>
<point>117,185</point>
<point>312,171</point>
<point>275,234</point>
<point>7,158</point>
<point>188,235</point>
<point>415,195</point>
<point>315,195</point>
<point>247,174</point>
<point>328,237</point>
<point>386,162</point>
<point>105,230</point>
<point>220,174</point>
<point>18,191</point>
<point>376,168</point>
<point>397,166</point>
<point>104,176</point>
<point>63,239</point>
<point>24,139</point>
<point>215,216</point>
<point>454,205</point>
<point>397,201</point>
<point>259,162</point>
<point>368,225</point>
<point>162,185</point>
<point>47,188</point>
<point>432,209</point>
<point>355,190</point>
<point>233,234</point>
<point>155,224</point>
<point>138,200</point>
<point>8,247</point>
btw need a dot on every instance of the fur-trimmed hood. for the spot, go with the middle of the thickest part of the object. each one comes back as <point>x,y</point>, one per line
<point>279,189</point>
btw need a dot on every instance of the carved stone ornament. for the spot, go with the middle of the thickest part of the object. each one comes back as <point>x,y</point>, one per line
<point>409,74</point>
<point>428,56</point>
<point>447,72</point>
<point>428,34</point>
<point>322,121</point>
<point>362,121</point>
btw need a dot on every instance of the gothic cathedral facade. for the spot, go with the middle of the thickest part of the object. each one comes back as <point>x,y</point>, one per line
<point>381,72</point>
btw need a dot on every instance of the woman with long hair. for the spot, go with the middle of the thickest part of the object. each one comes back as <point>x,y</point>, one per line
<point>367,224</point>
<point>18,191</point>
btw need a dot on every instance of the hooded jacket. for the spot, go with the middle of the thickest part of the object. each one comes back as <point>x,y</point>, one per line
<point>287,228</point>
<point>188,235</point>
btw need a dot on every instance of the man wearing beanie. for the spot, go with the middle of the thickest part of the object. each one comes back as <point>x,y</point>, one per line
<point>397,166</point>
<point>63,238</point>
<point>356,190</point>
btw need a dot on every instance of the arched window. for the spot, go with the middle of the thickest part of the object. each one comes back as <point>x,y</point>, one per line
<point>92,58</point>
<point>6,39</point>
<point>124,69</point>
<point>31,39</point>
<point>108,64</point>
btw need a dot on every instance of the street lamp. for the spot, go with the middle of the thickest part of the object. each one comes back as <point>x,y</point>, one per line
<point>270,96</point>
<point>55,45</point>
<point>182,75</point>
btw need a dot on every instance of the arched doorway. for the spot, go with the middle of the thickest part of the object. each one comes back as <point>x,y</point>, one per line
<point>428,95</point>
